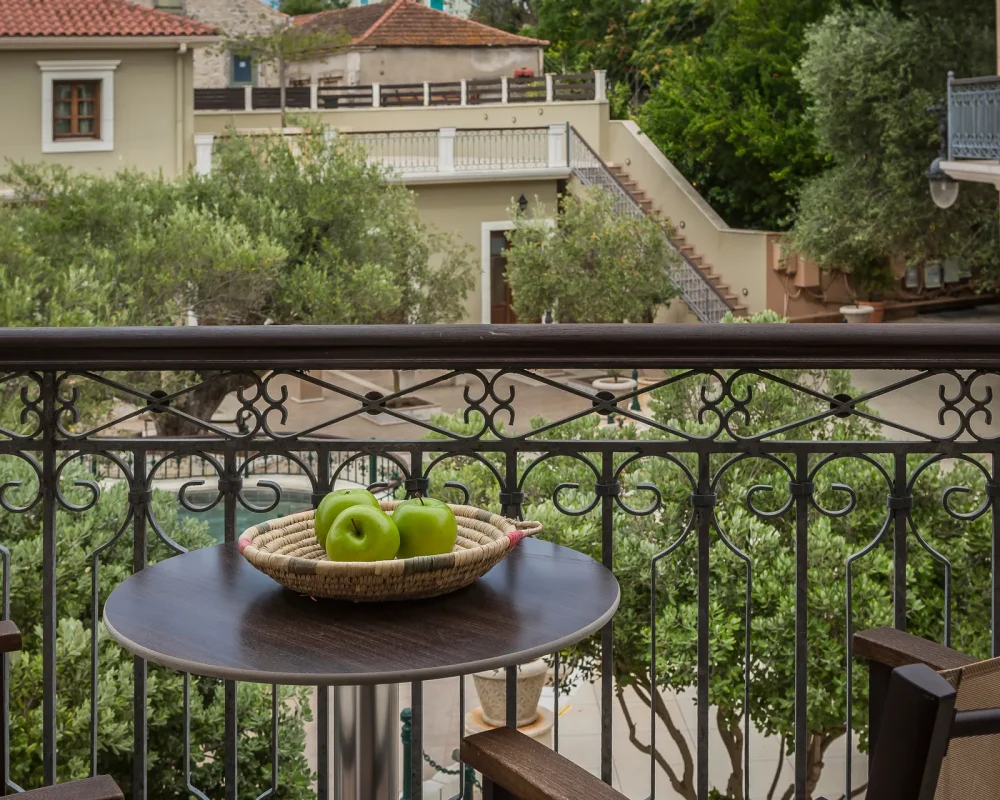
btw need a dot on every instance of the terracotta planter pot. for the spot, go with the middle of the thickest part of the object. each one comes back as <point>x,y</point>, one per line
<point>491,686</point>
<point>878,312</point>
<point>856,314</point>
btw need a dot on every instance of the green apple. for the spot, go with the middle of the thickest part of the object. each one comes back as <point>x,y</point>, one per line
<point>334,503</point>
<point>427,527</point>
<point>362,533</point>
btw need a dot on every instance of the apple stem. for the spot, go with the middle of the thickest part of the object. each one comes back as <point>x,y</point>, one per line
<point>420,497</point>
<point>355,524</point>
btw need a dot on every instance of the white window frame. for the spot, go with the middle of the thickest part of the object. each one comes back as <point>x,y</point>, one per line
<point>103,71</point>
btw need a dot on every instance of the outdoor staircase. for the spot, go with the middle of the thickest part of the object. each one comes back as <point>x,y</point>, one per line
<point>632,187</point>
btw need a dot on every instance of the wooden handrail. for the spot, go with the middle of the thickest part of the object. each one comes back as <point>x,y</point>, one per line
<point>528,770</point>
<point>893,648</point>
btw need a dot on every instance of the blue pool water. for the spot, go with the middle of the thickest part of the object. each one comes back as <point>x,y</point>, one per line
<point>292,501</point>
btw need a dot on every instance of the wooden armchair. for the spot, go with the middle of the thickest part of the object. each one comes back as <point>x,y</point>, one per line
<point>100,788</point>
<point>934,730</point>
<point>934,720</point>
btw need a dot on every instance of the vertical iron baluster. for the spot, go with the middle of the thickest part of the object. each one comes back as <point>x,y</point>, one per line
<point>140,497</point>
<point>994,554</point>
<point>274,740</point>
<point>704,502</point>
<point>899,546</point>
<point>608,488</point>
<point>510,718</point>
<point>49,610</point>
<point>5,681</point>
<point>510,500</point>
<point>801,489</point>
<point>461,735</point>
<point>416,765</point>
<point>187,741</point>
<point>230,484</point>
<point>322,692</point>
<point>555,702</point>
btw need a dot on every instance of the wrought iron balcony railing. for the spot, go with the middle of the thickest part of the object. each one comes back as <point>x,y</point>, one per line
<point>973,118</point>
<point>754,506</point>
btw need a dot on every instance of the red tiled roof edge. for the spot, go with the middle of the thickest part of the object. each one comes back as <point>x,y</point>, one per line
<point>75,18</point>
<point>378,22</point>
<point>513,39</point>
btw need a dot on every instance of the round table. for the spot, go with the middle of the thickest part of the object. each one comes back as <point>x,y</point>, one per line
<point>209,612</point>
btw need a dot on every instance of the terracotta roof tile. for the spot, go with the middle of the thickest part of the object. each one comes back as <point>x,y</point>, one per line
<point>93,18</point>
<point>408,23</point>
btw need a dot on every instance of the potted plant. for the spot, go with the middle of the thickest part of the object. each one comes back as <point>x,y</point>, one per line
<point>873,280</point>
<point>491,686</point>
<point>617,382</point>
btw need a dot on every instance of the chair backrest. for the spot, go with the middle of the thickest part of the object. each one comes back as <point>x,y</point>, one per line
<point>971,770</point>
<point>939,736</point>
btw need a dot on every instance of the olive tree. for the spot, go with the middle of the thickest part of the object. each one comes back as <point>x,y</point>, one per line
<point>299,229</point>
<point>595,265</point>
<point>748,549</point>
<point>871,78</point>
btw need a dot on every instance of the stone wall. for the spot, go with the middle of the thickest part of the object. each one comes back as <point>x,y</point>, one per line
<point>213,65</point>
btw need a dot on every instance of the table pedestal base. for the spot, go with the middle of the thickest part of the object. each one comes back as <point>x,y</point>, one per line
<point>366,742</point>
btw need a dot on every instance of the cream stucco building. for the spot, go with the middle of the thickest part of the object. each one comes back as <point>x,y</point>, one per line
<point>98,85</point>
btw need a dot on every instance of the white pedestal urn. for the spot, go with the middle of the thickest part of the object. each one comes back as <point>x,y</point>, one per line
<point>856,314</point>
<point>491,686</point>
<point>617,386</point>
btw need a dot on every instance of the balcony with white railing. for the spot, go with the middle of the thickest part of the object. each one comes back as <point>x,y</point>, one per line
<point>556,151</point>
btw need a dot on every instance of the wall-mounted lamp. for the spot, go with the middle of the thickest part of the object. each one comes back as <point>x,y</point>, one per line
<point>944,188</point>
<point>522,203</point>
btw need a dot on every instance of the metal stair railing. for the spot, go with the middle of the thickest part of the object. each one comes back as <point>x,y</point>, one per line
<point>701,295</point>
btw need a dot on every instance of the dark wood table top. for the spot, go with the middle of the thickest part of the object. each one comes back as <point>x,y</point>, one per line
<point>208,612</point>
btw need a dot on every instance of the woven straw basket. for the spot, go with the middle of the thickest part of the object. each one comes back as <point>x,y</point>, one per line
<point>286,549</point>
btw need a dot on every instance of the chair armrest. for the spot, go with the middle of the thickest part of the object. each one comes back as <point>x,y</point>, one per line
<point>100,788</point>
<point>894,648</point>
<point>528,770</point>
<point>10,637</point>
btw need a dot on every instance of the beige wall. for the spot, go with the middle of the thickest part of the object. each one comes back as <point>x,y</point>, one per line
<point>389,65</point>
<point>145,126</point>
<point>739,257</point>
<point>590,119</point>
<point>418,64</point>
<point>213,65</point>
<point>462,209</point>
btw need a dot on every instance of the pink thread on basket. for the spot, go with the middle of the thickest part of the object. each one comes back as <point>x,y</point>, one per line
<point>243,544</point>
<point>515,537</point>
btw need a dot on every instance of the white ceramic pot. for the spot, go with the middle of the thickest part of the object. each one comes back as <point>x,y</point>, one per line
<point>491,686</point>
<point>856,314</point>
<point>617,386</point>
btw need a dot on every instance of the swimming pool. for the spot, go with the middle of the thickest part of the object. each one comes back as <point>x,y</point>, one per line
<point>292,501</point>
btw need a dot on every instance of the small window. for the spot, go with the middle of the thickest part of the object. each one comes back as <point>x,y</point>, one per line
<point>437,5</point>
<point>242,70</point>
<point>76,111</point>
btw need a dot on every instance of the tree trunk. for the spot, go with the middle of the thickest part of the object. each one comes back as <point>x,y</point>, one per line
<point>200,403</point>
<point>281,89</point>
<point>732,738</point>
